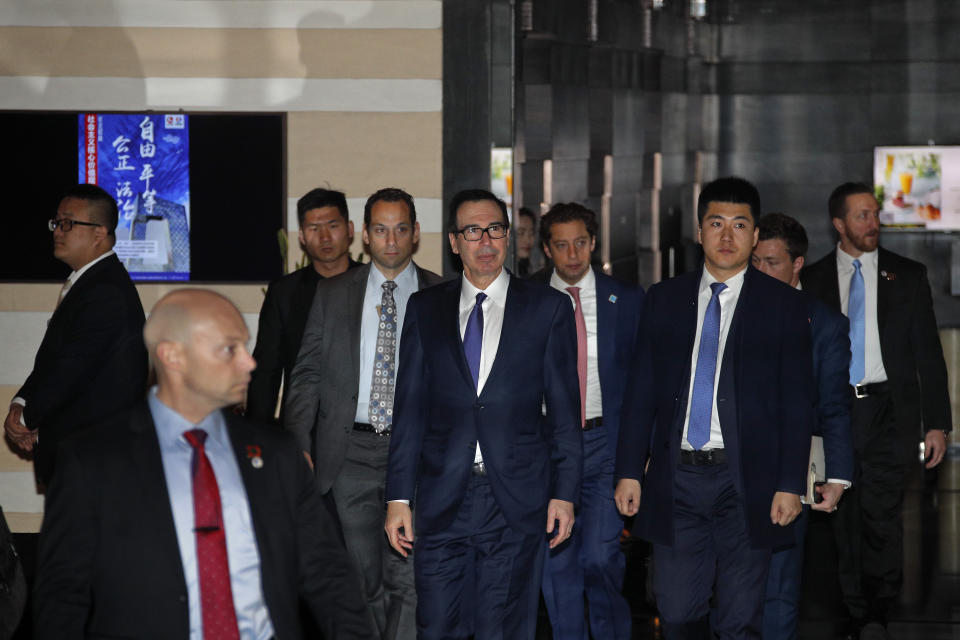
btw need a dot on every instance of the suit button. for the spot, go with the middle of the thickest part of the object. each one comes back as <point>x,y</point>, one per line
<point>183,598</point>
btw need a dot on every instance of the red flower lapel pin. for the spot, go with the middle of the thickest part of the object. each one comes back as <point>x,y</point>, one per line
<point>254,456</point>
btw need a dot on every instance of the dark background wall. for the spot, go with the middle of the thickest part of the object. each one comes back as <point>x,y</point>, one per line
<point>791,95</point>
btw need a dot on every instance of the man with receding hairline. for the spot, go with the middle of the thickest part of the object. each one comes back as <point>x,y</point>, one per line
<point>91,362</point>
<point>181,519</point>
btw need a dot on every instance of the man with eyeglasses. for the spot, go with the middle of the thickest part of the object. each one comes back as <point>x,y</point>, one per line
<point>340,398</point>
<point>489,472</point>
<point>92,362</point>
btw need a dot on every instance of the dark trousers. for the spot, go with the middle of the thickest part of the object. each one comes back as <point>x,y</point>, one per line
<point>480,576</point>
<point>386,576</point>
<point>710,556</point>
<point>782,606</point>
<point>590,562</point>
<point>869,521</point>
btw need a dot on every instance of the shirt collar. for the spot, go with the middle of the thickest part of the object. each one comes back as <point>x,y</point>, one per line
<point>171,425</point>
<point>734,283</point>
<point>587,283</point>
<point>496,290</point>
<point>74,276</point>
<point>405,279</point>
<point>845,260</point>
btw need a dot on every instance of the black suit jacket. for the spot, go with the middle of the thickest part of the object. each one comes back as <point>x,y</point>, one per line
<point>280,330</point>
<point>439,418</point>
<point>321,396</point>
<point>909,340</point>
<point>764,400</point>
<point>109,562</point>
<point>91,363</point>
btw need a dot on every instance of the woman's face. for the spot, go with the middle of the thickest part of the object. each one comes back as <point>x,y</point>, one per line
<point>525,236</point>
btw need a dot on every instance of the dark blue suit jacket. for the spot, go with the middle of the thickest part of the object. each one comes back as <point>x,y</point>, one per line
<point>438,417</point>
<point>764,398</point>
<point>830,332</point>
<point>618,313</point>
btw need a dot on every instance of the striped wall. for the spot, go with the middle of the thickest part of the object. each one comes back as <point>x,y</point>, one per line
<point>360,81</point>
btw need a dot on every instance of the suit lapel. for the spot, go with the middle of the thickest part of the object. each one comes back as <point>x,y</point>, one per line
<point>831,287</point>
<point>354,309</point>
<point>155,497</point>
<point>450,324</point>
<point>509,331</point>
<point>606,325</point>
<point>884,289</point>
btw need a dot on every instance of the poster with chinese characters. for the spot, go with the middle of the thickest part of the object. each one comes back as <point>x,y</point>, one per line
<point>918,187</point>
<point>143,161</point>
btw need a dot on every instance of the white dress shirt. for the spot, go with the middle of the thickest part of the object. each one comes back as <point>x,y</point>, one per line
<point>728,304</point>
<point>493,308</point>
<point>593,405</point>
<point>873,370</point>
<point>370,327</point>
<point>243,555</point>
<point>71,280</point>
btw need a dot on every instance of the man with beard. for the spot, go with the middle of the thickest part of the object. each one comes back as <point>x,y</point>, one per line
<point>899,383</point>
<point>325,235</point>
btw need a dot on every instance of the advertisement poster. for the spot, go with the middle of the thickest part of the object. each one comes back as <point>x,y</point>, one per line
<point>143,161</point>
<point>918,187</point>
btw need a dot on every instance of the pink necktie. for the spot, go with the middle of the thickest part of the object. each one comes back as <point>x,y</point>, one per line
<point>216,597</point>
<point>581,352</point>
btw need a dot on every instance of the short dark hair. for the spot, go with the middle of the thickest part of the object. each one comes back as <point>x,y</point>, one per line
<point>567,212</point>
<point>837,204</point>
<point>730,189</point>
<point>318,198</point>
<point>775,226</point>
<point>473,195</point>
<point>389,194</point>
<point>528,212</point>
<point>104,207</point>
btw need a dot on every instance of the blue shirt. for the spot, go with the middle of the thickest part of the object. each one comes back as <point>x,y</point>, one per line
<point>370,326</point>
<point>243,556</point>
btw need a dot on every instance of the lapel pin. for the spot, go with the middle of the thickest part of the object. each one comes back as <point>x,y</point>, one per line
<point>253,454</point>
<point>888,275</point>
<point>612,298</point>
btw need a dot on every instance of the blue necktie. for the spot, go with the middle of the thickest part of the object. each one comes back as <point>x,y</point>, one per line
<point>856,312</point>
<point>701,404</point>
<point>473,338</point>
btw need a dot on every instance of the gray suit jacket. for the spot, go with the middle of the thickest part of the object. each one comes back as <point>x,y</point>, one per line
<point>321,401</point>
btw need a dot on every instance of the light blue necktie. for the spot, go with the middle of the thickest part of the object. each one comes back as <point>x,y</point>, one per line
<point>701,404</point>
<point>473,338</point>
<point>856,312</point>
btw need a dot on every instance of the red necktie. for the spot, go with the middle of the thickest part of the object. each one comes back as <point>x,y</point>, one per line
<point>581,352</point>
<point>216,597</point>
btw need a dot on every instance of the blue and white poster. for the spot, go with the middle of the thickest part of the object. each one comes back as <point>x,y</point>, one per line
<point>143,160</point>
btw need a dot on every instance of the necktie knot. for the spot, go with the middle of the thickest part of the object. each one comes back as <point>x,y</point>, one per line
<point>481,296</point>
<point>717,288</point>
<point>574,293</point>
<point>389,286</point>
<point>196,438</point>
<point>857,264</point>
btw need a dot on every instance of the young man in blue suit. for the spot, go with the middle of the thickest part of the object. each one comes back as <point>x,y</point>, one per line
<point>479,358</point>
<point>720,405</point>
<point>606,314</point>
<point>780,253</point>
